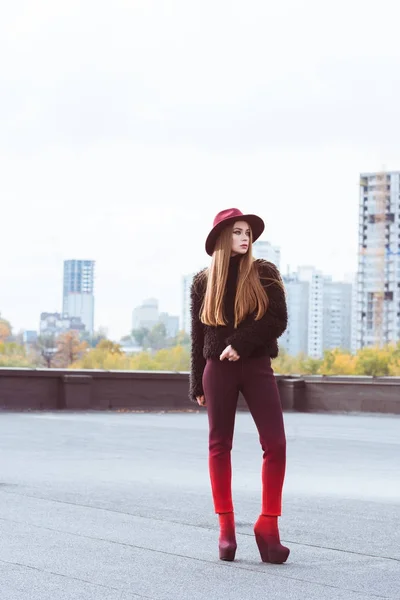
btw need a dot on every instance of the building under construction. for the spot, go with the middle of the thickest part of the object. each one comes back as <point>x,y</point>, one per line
<point>378,280</point>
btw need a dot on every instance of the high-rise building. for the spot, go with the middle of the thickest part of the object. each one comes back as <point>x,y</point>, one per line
<point>319,313</point>
<point>337,319</point>
<point>354,313</point>
<point>378,282</point>
<point>185,317</point>
<point>78,291</point>
<point>315,280</point>
<point>295,338</point>
<point>265,250</point>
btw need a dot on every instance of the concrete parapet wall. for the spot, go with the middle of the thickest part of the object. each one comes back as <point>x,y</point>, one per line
<point>363,394</point>
<point>43,389</point>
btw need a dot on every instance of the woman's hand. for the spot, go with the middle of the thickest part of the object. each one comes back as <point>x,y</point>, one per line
<point>201,400</point>
<point>229,353</point>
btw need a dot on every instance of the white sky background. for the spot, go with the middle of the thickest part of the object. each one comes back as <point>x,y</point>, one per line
<point>126,126</point>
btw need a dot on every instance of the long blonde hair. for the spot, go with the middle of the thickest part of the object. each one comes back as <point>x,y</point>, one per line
<point>250,294</point>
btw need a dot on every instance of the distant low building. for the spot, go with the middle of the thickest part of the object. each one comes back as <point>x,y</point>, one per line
<point>29,337</point>
<point>54,324</point>
<point>129,347</point>
<point>264,249</point>
<point>171,323</point>
<point>146,315</point>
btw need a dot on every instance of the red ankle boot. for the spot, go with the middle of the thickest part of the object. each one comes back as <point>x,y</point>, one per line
<point>268,540</point>
<point>227,537</point>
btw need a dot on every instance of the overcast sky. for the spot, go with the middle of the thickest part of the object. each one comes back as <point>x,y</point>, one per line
<point>125,127</point>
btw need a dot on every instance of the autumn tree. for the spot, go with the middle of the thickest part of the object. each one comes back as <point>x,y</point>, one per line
<point>109,346</point>
<point>394,366</point>
<point>14,355</point>
<point>141,337</point>
<point>103,357</point>
<point>94,338</point>
<point>151,339</point>
<point>181,339</point>
<point>368,361</point>
<point>373,361</point>
<point>172,359</point>
<point>143,361</point>
<point>336,362</point>
<point>285,363</point>
<point>69,349</point>
<point>158,337</point>
<point>5,329</point>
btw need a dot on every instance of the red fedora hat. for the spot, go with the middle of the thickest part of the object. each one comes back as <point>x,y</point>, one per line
<point>229,216</point>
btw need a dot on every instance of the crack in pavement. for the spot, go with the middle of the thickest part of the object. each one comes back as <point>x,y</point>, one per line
<point>182,523</point>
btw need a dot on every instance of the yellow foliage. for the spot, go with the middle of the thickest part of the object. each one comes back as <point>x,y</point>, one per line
<point>13,355</point>
<point>5,330</point>
<point>173,359</point>
<point>142,362</point>
<point>338,363</point>
<point>69,349</point>
<point>110,346</point>
<point>109,356</point>
<point>285,364</point>
<point>99,358</point>
<point>394,368</point>
<point>373,361</point>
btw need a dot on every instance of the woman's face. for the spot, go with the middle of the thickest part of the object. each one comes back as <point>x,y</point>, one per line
<point>240,238</point>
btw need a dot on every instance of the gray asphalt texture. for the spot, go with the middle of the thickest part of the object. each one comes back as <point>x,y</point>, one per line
<point>112,506</point>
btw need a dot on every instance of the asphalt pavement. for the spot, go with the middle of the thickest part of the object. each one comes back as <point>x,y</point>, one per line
<point>117,506</point>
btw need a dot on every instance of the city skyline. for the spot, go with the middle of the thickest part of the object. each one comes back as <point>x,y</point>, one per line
<point>128,318</point>
<point>108,152</point>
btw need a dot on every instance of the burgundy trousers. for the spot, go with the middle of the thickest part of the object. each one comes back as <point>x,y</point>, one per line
<point>254,377</point>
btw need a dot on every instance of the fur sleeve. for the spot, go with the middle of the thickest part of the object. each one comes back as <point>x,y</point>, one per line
<point>251,333</point>
<point>197,361</point>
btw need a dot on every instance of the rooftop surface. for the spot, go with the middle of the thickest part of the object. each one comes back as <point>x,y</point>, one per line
<point>117,506</point>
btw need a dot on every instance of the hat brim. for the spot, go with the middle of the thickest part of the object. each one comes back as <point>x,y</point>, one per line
<point>256,223</point>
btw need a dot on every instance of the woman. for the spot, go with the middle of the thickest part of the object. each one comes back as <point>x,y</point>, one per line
<point>238,310</point>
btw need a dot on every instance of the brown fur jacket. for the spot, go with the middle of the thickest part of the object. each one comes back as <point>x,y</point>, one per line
<point>251,338</point>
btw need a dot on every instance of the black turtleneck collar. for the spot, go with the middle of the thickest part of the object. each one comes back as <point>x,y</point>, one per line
<point>235,260</point>
<point>233,268</point>
<point>230,290</point>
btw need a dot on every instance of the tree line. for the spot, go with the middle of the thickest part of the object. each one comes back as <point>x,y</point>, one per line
<point>161,353</point>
